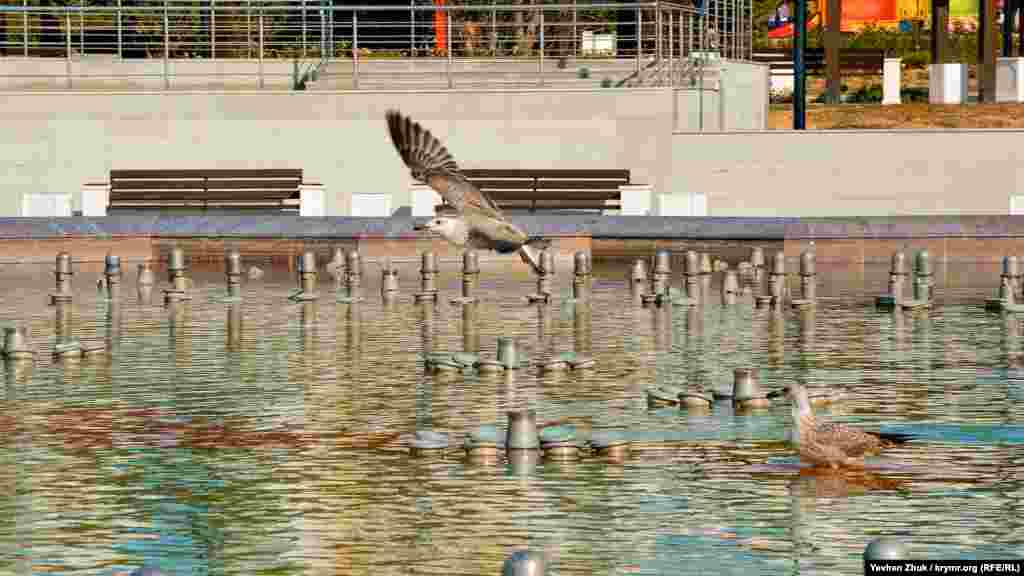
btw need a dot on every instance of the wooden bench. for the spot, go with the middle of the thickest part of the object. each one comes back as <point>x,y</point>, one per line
<point>202,189</point>
<point>851,61</point>
<point>551,189</point>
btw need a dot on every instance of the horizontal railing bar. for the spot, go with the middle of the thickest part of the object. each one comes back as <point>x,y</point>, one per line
<point>348,9</point>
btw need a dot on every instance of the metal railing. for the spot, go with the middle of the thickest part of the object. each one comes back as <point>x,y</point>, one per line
<point>353,47</point>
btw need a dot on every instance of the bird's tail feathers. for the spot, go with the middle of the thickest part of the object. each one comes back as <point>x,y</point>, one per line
<point>895,437</point>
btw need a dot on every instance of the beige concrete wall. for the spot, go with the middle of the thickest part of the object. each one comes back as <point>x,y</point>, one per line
<point>106,72</point>
<point>55,142</point>
<point>747,86</point>
<point>844,173</point>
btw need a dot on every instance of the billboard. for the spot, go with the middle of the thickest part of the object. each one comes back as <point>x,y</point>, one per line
<point>856,14</point>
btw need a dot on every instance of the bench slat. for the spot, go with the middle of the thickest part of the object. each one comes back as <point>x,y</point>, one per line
<point>554,195</point>
<point>193,202</point>
<point>202,207</point>
<point>579,185</point>
<point>198,188</point>
<point>118,185</point>
<point>268,184</point>
<point>560,204</point>
<point>551,189</point>
<point>483,173</point>
<point>290,173</point>
<point>201,195</point>
<point>503,184</point>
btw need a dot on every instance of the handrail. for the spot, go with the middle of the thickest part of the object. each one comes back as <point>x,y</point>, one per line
<point>661,33</point>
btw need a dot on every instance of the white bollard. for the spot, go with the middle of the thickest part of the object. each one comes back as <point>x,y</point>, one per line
<point>1010,80</point>
<point>892,71</point>
<point>947,83</point>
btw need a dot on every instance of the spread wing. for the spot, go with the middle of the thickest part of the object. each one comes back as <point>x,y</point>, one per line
<point>431,163</point>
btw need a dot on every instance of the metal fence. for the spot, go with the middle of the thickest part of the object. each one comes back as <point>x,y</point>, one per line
<point>358,42</point>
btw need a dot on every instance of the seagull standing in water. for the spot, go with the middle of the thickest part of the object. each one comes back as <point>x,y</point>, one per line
<point>831,444</point>
<point>478,222</point>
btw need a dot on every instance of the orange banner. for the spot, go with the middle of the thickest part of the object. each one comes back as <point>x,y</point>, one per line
<point>440,29</point>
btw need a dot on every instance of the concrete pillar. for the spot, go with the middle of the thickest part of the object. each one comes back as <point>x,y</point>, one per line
<point>1010,80</point>
<point>891,75</point>
<point>95,198</point>
<point>370,205</point>
<point>947,83</point>
<point>312,200</point>
<point>424,200</point>
<point>636,199</point>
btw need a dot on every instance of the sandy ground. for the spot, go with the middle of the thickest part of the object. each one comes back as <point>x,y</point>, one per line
<point>909,115</point>
<point>917,115</point>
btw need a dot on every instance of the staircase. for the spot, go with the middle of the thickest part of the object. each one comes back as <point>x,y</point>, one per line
<point>433,74</point>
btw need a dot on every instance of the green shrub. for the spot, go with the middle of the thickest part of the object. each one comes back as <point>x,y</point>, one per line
<point>918,59</point>
<point>914,94</point>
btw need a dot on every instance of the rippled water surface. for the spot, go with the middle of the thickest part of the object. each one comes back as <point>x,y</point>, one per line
<point>267,437</point>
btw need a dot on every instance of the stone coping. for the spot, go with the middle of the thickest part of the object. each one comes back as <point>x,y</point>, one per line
<point>575,225</point>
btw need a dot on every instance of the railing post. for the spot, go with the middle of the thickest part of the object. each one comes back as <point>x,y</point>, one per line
<point>355,50</point>
<point>494,30</point>
<point>248,29</point>
<point>750,30</point>
<point>81,29</point>
<point>448,41</point>
<point>303,28</point>
<point>575,37</point>
<point>67,43</point>
<point>701,23</point>
<point>671,56</point>
<point>540,61</point>
<point>737,7</point>
<point>658,33</point>
<point>259,23</point>
<point>639,38</point>
<point>718,25</point>
<point>213,29</point>
<point>120,32</point>
<point>167,47</point>
<point>412,27</point>
<point>689,37</point>
<point>731,11</point>
<point>24,28</point>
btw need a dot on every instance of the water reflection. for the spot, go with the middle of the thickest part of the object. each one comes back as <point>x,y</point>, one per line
<point>112,338</point>
<point>259,437</point>
<point>145,294</point>
<point>470,333</point>
<point>234,327</point>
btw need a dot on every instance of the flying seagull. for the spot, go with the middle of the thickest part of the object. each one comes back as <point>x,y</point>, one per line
<point>477,222</point>
<point>832,444</point>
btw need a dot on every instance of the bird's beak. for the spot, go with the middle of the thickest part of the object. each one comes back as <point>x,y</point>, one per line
<point>420,226</point>
<point>778,393</point>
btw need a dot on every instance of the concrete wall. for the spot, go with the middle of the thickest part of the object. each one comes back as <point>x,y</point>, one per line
<point>747,85</point>
<point>55,142</point>
<point>110,73</point>
<point>872,172</point>
<point>106,72</point>
<point>742,103</point>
